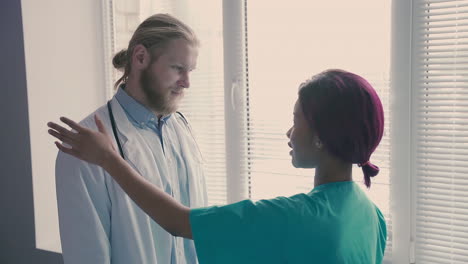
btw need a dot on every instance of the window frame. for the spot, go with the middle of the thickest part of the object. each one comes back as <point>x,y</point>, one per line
<point>402,151</point>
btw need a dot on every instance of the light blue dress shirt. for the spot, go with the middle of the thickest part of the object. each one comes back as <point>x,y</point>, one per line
<point>151,128</point>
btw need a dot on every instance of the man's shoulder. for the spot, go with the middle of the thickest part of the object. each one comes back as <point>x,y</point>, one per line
<point>89,122</point>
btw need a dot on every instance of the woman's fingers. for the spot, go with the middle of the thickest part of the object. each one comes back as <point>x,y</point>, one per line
<point>72,124</point>
<point>70,151</point>
<point>59,136</point>
<point>62,133</point>
<point>100,125</point>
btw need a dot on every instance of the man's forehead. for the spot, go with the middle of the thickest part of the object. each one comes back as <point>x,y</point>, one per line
<point>187,55</point>
<point>186,61</point>
<point>180,46</point>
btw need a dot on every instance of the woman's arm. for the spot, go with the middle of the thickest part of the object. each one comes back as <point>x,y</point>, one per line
<point>96,147</point>
<point>167,212</point>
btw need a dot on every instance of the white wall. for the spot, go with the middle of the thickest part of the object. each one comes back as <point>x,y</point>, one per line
<point>65,76</point>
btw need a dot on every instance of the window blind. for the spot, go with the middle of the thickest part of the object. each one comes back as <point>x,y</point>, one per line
<point>282,53</point>
<point>440,48</point>
<point>204,101</point>
<point>203,104</point>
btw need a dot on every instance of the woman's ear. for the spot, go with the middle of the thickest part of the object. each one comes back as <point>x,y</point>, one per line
<point>140,57</point>
<point>318,143</point>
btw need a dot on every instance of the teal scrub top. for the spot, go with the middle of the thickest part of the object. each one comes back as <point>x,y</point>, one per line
<point>334,223</point>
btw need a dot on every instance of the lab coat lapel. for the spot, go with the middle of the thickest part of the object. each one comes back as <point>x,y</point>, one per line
<point>134,147</point>
<point>193,163</point>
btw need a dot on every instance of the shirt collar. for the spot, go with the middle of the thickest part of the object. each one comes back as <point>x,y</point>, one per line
<point>333,185</point>
<point>137,113</point>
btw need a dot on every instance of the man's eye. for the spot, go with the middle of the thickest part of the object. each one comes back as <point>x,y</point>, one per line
<point>178,68</point>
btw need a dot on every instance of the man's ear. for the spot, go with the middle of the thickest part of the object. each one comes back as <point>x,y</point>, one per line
<point>140,57</point>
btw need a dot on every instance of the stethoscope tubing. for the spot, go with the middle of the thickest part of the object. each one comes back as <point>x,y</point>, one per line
<point>114,129</point>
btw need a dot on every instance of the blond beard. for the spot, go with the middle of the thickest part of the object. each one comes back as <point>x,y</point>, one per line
<point>158,101</point>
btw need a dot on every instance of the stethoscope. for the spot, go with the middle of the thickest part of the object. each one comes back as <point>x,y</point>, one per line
<point>114,129</point>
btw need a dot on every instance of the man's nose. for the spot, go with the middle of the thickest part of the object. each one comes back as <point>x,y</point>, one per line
<point>184,80</point>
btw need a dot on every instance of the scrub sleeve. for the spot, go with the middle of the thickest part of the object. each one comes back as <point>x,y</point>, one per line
<point>243,232</point>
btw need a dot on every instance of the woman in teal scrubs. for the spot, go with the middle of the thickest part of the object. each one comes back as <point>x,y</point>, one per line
<point>338,122</point>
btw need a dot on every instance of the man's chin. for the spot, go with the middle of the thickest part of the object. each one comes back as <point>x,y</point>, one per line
<point>176,98</point>
<point>175,102</point>
<point>172,108</point>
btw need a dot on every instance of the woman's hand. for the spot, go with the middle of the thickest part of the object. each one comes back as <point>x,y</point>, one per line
<point>92,146</point>
<point>96,147</point>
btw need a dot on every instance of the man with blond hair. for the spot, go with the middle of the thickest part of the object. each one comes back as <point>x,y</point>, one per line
<point>99,223</point>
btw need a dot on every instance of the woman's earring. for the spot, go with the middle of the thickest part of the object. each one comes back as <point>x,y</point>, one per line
<point>318,144</point>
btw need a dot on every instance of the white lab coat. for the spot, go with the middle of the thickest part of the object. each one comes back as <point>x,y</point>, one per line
<point>98,222</point>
